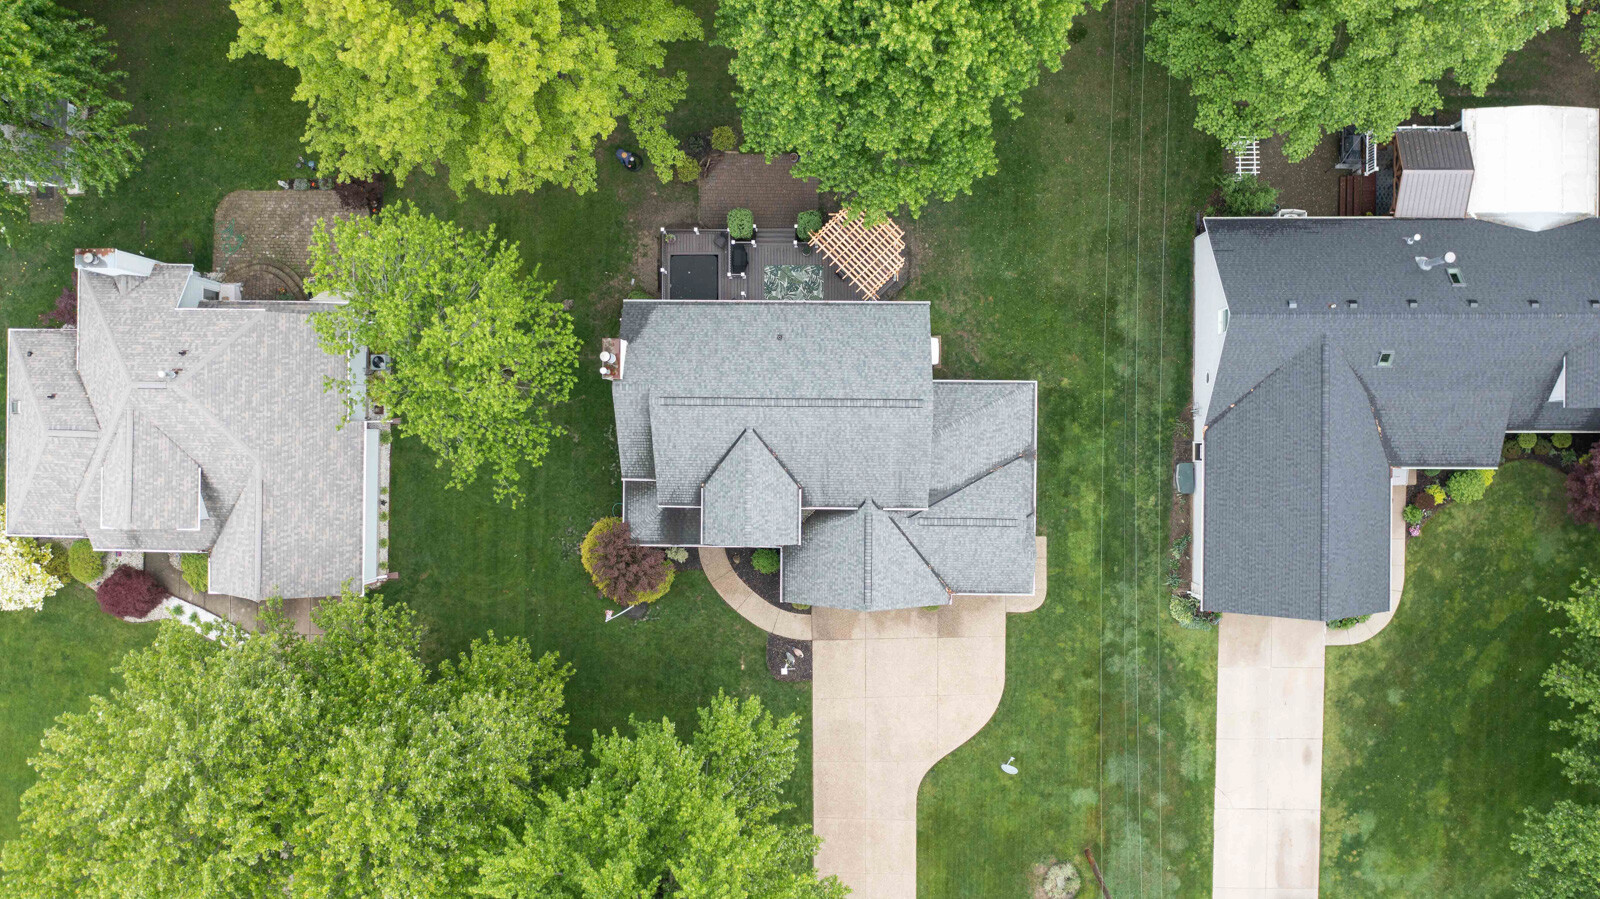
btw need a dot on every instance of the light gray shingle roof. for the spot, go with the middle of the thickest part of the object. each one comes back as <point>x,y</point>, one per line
<point>859,560</point>
<point>749,499</point>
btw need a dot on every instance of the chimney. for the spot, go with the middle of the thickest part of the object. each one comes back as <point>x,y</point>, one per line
<point>613,355</point>
<point>109,261</point>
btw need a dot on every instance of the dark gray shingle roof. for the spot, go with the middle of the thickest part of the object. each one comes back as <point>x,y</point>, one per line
<point>749,499</point>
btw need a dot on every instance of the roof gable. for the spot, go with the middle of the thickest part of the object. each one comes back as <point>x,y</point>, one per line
<point>750,500</point>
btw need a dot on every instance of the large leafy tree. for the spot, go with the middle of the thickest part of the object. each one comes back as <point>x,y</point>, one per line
<point>1306,68</point>
<point>888,103</point>
<point>508,95</point>
<point>278,766</point>
<point>658,817</point>
<point>1562,844</point>
<point>479,352</point>
<point>60,120</point>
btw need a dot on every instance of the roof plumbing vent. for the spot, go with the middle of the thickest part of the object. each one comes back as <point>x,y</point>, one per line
<point>1426,264</point>
<point>1412,239</point>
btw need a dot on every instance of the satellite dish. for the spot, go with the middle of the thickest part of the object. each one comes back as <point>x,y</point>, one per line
<point>1007,767</point>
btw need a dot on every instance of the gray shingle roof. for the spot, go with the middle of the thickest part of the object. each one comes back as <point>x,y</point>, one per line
<point>1458,377</point>
<point>845,407</point>
<point>216,414</point>
<point>653,525</point>
<point>749,499</point>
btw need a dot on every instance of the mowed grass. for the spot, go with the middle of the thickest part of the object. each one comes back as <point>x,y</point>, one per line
<point>1072,267</point>
<point>1437,731</point>
<point>54,660</point>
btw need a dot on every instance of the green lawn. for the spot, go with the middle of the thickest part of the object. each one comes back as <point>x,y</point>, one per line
<point>1071,266</point>
<point>54,660</point>
<point>1437,731</point>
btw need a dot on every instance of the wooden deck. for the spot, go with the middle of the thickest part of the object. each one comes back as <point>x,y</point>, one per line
<point>771,248</point>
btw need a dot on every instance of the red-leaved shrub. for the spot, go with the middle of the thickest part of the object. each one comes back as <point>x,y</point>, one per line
<point>66,310</point>
<point>129,593</point>
<point>1583,491</point>
<point>623,570</point>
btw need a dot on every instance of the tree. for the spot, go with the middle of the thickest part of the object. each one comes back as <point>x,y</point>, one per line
<point>479,353</point>
<point>1583,491</point>
<point>1563,844</point>
<point>659,817</point>
<point>339,766</point>
<point>508,95</point>
<point>129,593</point>
<point>621,569</point>
<point>25,578</point>
<point>56,102</point>
<point>888,103</point>
<point>1306,69</point>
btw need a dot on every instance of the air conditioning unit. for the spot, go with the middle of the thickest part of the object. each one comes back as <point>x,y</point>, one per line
<point>377,362</point>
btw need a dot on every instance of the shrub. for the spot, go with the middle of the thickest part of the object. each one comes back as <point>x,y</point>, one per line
<point>741,224</point>
<point>1468,486</point>
<point>1344,624</point>
<point>196,571</point>
<point>1247,195</point>
<point>799,606</point>
<point>1061,881</point>
<point>687,171</point>
<point>1511,450</point>
<point>1583,491</point>
<point>1435,491</point>
<point>1561,440</point>
<point>765,561</point>
<point>621,569</point>
<point>807,223</point>
<point>1526,441</point>
<point>723,139</point>
<point>1543,447</point>
<point>1412,515</point>
<point>677,554</point>
<point>696,145</point>
<point>66,308</point>
<point>1185,610</point>
<point>1431,472</point>
<point>129,593</point>
<point>58,565</point>
<point>85,564</point>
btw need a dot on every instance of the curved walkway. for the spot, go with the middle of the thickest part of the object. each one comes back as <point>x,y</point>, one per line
<point>753,608</point>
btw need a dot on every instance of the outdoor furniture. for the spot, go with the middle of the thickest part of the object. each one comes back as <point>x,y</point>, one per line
<point>738,259</point>
<point>692,276</point>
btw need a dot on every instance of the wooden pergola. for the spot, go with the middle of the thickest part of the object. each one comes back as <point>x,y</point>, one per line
<point>868,257</point>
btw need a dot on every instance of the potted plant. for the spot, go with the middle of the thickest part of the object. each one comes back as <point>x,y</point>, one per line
<point>741,224</point>
<point>805,225</point>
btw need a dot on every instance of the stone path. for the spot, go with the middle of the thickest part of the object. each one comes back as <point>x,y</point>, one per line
<point>892,693</point>
<point>1268,824</point>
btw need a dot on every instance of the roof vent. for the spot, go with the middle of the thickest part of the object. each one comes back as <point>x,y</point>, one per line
<point>1293,305</point>
<point>1533,304</point>
<point>1412,239</point>
<point>1412,302</point>
<point>1352,304</point>
<point>1594,305</point>
<point>1426,263</point>
<point>166,375</point>
<point>1472,304</point>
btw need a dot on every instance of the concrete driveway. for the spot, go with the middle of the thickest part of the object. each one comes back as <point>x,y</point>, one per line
<point>1268,824</point>
<point>892,693</point>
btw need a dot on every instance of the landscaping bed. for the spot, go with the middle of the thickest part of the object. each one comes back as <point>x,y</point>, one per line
<point>765,586</point>
<point>779,650</point>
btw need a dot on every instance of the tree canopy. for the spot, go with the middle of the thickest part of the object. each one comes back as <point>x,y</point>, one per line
<point>61,121</point>
<point>1305,69</point>
<point>660,817</point>
<point>343,765</point>
<point>508,95</point>
<point>25,581</point>
<point>888,103</point>
<point>1562,844</point>
<point>479,353</point>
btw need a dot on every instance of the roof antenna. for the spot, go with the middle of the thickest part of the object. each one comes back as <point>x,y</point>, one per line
<point>1427,264</point>
<point>1412,239</point>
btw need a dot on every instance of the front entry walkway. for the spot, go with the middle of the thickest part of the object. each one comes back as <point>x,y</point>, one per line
<point>1269,758</point>
<point>892,693</point>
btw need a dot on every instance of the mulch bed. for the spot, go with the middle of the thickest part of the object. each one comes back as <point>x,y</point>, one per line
<point>763,585</point>
<point>690,564</point>
<point>778,649</point>
<point>1181,517</point>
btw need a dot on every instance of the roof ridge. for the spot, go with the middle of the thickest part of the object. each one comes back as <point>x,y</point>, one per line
<point>1322,469</point>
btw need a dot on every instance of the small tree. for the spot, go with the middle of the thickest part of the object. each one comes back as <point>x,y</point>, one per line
<point>1583,491</point>
<point>84,562</point>
<point>130,592</point>
<point>196,571</point>
<point>480,353</point>
<point>25,579</point>
<point>621,569</point>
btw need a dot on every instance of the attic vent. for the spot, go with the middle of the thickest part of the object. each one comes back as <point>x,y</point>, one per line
<point>1412,303</point>
<point>1472,304</point>
<point>16,407</point>
<point>1455,276</point>
<point>1594,305</point>
<point>1533,304</point>
<point>1293,305</point>
<point>1385,360</point>
<point>1352,304</point>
